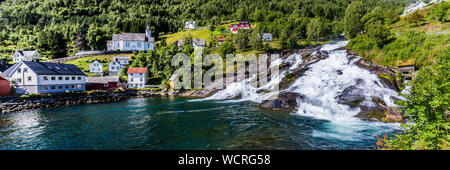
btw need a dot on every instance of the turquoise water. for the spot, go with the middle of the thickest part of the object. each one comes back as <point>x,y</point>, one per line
<point>178,123</point>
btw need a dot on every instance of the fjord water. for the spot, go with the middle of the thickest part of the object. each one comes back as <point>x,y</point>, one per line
<point>217,122</point>
<point>170,123</point>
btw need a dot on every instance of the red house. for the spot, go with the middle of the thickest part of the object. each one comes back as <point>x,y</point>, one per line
<point>242,25</point>
<point>105,83</point>
<point>223,39</point>
<point>5,87</point>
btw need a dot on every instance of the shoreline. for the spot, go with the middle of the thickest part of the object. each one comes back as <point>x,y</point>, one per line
<point>10,104</point>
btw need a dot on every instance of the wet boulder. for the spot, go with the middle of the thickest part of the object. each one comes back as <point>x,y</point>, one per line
<point>285,101</point>
<point>371,113</point>
<point>393,115</point>
<point>351,96</point>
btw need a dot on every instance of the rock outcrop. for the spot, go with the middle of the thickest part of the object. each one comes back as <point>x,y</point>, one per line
<point>285,101</point>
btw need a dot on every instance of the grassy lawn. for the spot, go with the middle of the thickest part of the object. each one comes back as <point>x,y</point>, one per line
<point>203,33</point>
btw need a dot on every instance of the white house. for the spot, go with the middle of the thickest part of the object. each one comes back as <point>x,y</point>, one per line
<point>267,37</point>
<point>96,67</point>
<point>117,64</point>
<point>19,56</point>
<point>190,25</point>
<point>41,77</point>
<point>137,77</point>
<point>198,43</point>
<point>131,41</point>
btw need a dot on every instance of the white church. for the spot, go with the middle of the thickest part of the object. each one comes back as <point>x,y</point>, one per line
<point>131,41</point>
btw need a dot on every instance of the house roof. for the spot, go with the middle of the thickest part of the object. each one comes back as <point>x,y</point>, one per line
<point>267,35</point>
<point>410,62</point>
<point>137,70</point>
<point>26,53</point>
<point>199,42</point>
<point>223,39</point>
<point>121,58</point>
<point>102,80</point>
<point>131,37</point>
<point>44,68</point>
<point>4,66</point>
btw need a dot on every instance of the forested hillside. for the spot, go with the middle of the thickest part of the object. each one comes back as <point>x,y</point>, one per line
<point>58,28</point>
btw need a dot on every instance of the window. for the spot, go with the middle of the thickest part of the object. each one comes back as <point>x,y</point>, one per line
<point>78,86</point>
<point>141,79</point>
<point>73,86</point>
<point>73,78</point>
<point>53,78</point>
<point>105,85</point>
<point>79,78</point>
<point>45,78</point>
<point>140,74</point>
<point>53,87</point>
<point>142,85</point>
<point>19,80</point>
<point>60,78</point>
<point>29,78</point>
<point>19,70</point>
<point>132,79</point>
<point>67,86</point>
<point>25,70</point>
<point>60,87</point>
<point>45,87</point>
<point>139,45</point>
<point>67,78</point>
<point>127,44</point>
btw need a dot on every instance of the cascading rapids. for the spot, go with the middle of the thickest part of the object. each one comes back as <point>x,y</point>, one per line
<point>245,92</point>
<point>320,85</point>
<point>328,78</point>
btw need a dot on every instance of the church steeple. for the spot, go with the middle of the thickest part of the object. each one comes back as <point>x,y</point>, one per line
<point>148,32</point>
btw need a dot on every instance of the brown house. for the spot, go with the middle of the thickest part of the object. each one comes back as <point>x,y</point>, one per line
<point>104,83</point>
<point>407,69</point>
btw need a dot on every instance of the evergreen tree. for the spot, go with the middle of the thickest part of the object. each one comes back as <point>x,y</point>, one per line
<point>352,19</point>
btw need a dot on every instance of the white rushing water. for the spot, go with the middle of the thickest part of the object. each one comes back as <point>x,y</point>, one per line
<point>321,84</point>
<point>328,78</point>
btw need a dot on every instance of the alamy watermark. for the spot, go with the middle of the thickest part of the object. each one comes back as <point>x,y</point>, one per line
<point>235,68</point>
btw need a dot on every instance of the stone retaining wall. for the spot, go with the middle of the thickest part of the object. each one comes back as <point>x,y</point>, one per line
<point>18,103</point>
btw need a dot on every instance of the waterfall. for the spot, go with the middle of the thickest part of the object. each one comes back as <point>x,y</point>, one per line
<point>320,85</point>
<point>328,78</point>
<point>245,92</point>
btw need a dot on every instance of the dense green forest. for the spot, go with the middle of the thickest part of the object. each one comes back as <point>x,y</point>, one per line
<point>61,27</point>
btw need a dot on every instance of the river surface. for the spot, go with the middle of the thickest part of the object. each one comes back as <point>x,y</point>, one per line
<point>178,123</point>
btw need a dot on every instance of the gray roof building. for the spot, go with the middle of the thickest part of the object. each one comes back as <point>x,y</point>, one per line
<point>131,37</point>
<point>44,68</point>
<point>199,42</point>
